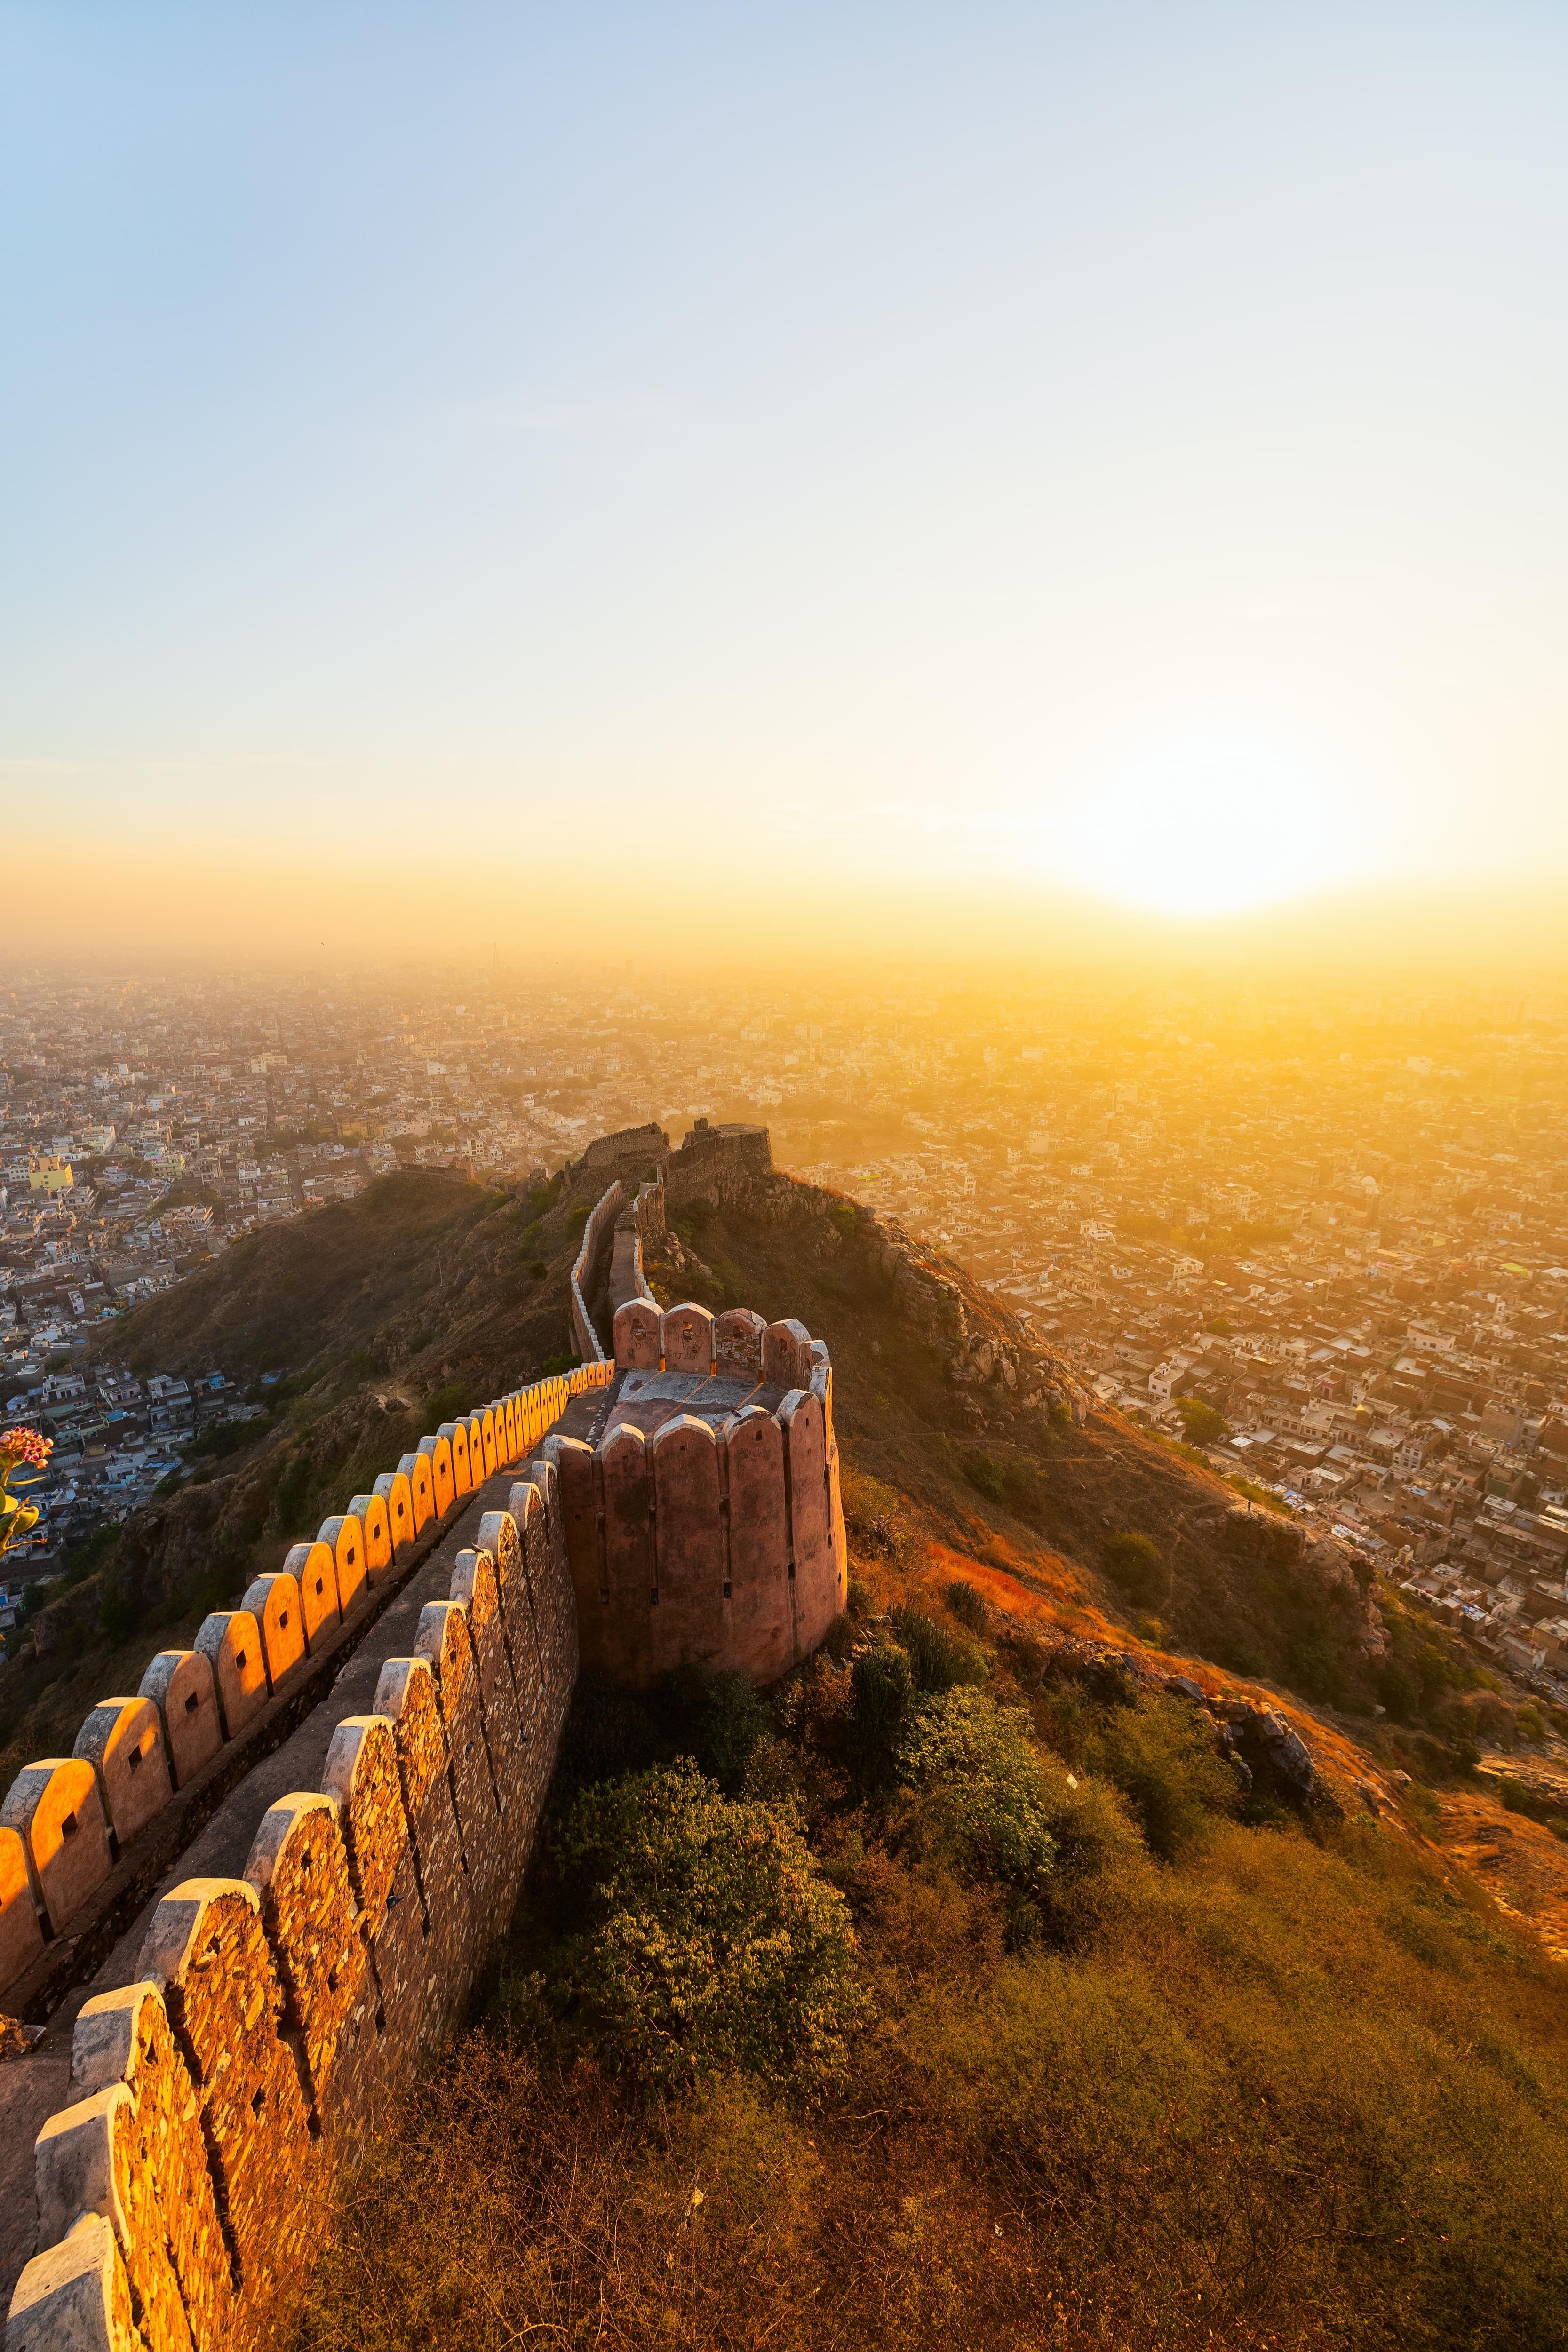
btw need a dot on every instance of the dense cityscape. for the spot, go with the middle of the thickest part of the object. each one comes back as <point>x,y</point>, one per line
<point>1342,1270</point>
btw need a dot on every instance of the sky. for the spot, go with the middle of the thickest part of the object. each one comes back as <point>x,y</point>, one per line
<point>570,474</point>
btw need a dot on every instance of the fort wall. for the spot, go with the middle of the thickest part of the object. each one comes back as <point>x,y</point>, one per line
<point>704,1525</point>
<point>275,2014</point>
<point>598,1222</point>
<point>687,1515</point>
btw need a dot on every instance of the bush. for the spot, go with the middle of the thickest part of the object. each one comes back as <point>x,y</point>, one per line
<point>882,1684</point>
<point>1135,1564</point>
<point>709,1940</point>
<point>979,1788</point>
<point>967,1605</point>
<point>984,1472</point>
<point>1161,1755</point>
<point>939,1659</point>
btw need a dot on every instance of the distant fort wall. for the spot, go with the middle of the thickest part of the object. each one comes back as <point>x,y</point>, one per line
<point>275,2015</point>
<point>599,1221</point>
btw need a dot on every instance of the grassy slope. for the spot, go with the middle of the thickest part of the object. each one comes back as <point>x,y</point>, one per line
<point>386,1314</point>
<point>1275,2084</point>
<point>1288,2086</point>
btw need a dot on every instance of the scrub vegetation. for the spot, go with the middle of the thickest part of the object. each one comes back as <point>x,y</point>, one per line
<point>950,1997</point>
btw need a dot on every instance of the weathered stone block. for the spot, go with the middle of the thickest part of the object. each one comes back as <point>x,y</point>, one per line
<point>638,1344</point>
<point>207,1951</point>
<point>299,1865</point>
<point>444,1638</point>
<point>738,1345</point>
<point>360,1772</point>
<point>373,1515</point>
<point>437,1452</point>
<point>315,1572</point>
<point>57,1809</point>
<point>230,1640</point>
<point>687,1621</point>
<point>21,1929</point>
<point>418,1471</point>
<point>490,1451</point>
<point>686,1338</point>
<point>396,1490</point>
<point>122,1740</point>
<point>474,1584</point>
<point>762,1632</point>
<point>787,1355</point>
<point>345,1534</point>
<point>92,2157</point>
<point>406,1693</point>
<point>182,1687</point>
<point>75,2297</point>
<point>455,1434</point>
<point>821,1585</point>
<point>125,2037</point>
<point>274,1602</point>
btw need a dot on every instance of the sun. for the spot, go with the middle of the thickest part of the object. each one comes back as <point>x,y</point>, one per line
<point>1213,826</point>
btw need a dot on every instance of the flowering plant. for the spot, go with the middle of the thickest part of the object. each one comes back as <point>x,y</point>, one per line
<point>17,1447</point>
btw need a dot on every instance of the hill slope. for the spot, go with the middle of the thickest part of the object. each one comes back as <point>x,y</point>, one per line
<point>384,1316</point>
<point>970,1993</point>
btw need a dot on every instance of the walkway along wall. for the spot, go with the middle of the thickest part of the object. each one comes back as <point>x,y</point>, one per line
<point>277,2014</point>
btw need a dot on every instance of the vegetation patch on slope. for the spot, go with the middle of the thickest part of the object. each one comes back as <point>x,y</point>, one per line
<point>1128,2058</point>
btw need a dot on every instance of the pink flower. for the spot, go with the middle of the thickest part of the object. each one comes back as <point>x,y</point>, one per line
<point>26,1445</point>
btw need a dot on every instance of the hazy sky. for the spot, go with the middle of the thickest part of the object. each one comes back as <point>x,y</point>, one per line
<point>869,448</point>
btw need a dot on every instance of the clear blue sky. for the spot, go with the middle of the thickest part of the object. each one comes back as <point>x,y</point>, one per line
<point>886,426</point>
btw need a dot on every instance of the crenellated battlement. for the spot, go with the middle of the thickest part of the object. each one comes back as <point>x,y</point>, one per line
<point>676,1507</point>
<point>703,1520</point>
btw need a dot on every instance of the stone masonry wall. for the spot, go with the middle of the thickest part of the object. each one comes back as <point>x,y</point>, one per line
<point>715,1536</point>
<point>278,2014</point>
<point>601,1217</point>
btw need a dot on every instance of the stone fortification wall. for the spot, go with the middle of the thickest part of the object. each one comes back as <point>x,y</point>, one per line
<point>598,1222</point>
<point>275,2014</point>
<point>703,1525</point>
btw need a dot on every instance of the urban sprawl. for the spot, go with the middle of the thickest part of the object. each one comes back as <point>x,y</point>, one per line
<point>1323,1237</point>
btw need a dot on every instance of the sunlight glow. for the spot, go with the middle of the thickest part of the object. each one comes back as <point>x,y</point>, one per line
<point>1215,826</point>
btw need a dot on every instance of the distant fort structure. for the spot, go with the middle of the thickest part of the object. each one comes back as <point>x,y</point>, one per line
<point>673,1502</point>
<point>702,1511</point>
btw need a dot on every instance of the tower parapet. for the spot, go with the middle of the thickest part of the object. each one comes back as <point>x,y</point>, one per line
<point>704,1521</point>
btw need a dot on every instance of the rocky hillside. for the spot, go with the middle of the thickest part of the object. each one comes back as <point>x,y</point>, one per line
<point>943,1397</point>
<point>963,1440</point>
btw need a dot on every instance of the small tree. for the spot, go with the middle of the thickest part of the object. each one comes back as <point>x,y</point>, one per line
<point>1136,1566</point>
<point>1204,1424</point>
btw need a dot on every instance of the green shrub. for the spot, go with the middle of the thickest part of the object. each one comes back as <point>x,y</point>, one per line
<point>967,1605</point>
<point>709,1939</point>
<point>939,1658</point>
<point>882,1684</point>
<point>1135,1564</point>
<point>984,1472</point>
<point>979,1788</point>
<point>1161,1755</point>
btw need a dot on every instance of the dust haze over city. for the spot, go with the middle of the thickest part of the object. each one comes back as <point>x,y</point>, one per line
<point>784,1209</point>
